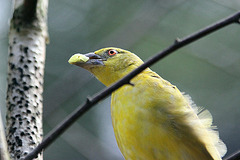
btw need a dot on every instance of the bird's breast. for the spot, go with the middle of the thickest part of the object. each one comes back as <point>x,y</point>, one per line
<point>140,126</point>
<point>145,128</point>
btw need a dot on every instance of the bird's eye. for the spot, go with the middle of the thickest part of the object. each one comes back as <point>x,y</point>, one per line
<point>112,52</point>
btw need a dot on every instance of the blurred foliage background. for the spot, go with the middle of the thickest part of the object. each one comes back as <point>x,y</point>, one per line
<point>208,70</point>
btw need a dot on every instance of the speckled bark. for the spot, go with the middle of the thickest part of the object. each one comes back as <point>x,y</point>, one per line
<point>27,43</point>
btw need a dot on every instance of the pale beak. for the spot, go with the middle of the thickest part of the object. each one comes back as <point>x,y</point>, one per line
<point>89,59</point>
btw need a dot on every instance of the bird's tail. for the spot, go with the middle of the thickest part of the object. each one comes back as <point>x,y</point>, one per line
<point>213,143</point>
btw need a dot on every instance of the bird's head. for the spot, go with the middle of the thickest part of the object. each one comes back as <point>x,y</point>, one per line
<point>107,64</point>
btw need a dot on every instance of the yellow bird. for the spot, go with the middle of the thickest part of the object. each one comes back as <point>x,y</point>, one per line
<point>152,119</point>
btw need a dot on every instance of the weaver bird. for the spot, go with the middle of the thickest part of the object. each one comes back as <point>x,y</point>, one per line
<point>151,118</point>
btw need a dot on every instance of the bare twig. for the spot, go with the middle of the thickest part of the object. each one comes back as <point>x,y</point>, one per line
<point>234,156</point>
<point>68,121</point>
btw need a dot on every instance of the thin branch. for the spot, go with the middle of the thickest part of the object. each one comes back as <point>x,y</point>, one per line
<point>234,156</point>
<point>69,120</point>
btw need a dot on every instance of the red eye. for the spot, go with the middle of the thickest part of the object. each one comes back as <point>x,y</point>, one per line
<point>112,52</point>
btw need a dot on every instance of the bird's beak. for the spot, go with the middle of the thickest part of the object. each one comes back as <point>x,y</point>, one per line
<point>89,59</point>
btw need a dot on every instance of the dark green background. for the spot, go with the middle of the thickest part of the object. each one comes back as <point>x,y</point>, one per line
<point>208,70</point>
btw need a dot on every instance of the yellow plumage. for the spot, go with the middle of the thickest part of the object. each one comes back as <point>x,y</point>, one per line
<point>152,119</point>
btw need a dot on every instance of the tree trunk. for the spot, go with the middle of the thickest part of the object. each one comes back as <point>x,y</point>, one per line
<point>4,155</point>
<point>27,45</point>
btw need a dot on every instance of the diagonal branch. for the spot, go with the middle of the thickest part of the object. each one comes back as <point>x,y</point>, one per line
<point>234,156</point>
<point>68,121</point>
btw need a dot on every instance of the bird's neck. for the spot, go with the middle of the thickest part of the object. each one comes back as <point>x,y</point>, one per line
<point>113,76</point>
